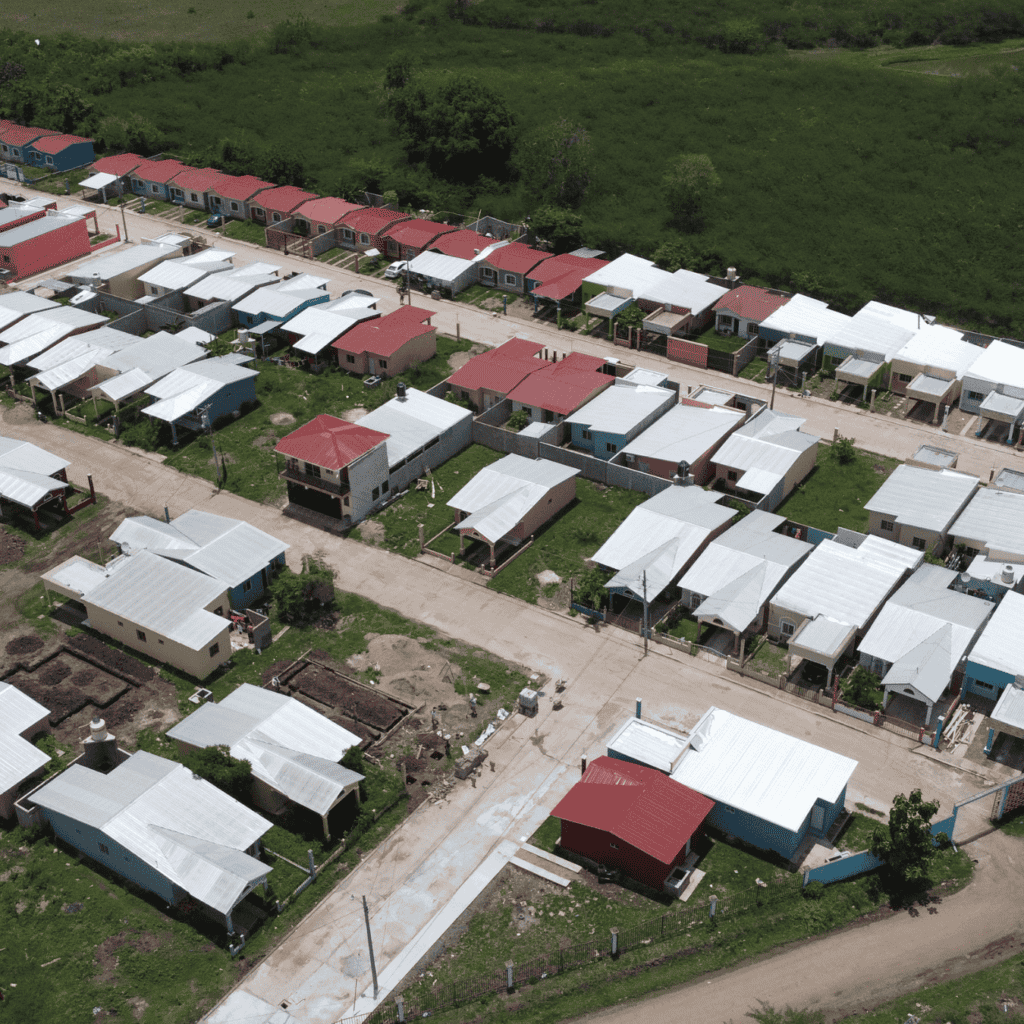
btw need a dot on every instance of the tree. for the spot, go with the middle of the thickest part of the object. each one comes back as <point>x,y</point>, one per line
<point>216,765</point>
<point>688,186</point>
<point>519,419</point>
<point>563,229</point>
<point>863,689</point>
<point>556,162</point>
<point>907,845</point>
<point>296,595</point>
<point>590,590</point>
<point>462,128</point>
<point>65,109</point>
<point>843,451</point>
<point>673,255</point>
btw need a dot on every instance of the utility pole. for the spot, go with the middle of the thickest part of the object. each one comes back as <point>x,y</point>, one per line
<point>645,613</point>
<point>773,365</point>
<point>369,939</point>
<point>213,444</point>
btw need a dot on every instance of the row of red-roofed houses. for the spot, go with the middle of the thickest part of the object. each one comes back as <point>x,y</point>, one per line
<point>41,147</point>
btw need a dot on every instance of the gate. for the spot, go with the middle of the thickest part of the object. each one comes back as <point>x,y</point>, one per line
<point>1007,797</point>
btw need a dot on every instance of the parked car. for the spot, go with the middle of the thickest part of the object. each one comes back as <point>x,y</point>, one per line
<point>214,220</point>
<point>397,268</point>
<point>374,381</point>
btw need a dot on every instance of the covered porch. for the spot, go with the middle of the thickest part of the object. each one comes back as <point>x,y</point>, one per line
<point>32,493</point>
<point>794,360</point>
<point>998,408</point>
<point>860,369</point>
<point>822,641</point>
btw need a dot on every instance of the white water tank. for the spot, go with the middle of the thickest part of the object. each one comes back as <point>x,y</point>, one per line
<point>1007,574</point>
<point>98,730</point>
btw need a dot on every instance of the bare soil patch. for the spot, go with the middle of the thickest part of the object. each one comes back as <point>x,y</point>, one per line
<point>280,419</point>
<point>459,359</point>
<point>65,685</point>
<point>333,689</point>
<point>409,671</point>
<point>124,664</point>
<point>106,952</point>
<point>24,645</point>
<point>358,412</point>
<point>11,548</point>
<point>371,531</point>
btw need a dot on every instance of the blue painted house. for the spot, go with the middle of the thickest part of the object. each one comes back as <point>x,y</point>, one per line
<point>607,423</point>
<point>60,152</point>
<point>997,659</point>
<point>152,178</point>
<point>279,302</point>
<point>232,551</point>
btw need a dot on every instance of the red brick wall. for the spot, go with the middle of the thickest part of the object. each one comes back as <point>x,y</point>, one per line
<point>689,352</point>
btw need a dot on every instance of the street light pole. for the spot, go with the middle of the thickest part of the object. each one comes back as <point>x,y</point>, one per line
<point>213,444</point>
<point>369,939</point>
<point>645,613</point>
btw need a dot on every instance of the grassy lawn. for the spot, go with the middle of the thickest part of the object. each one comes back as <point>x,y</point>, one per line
<point>331,253</point>
<point>55,184</point>
<point>243,231</point>
<point>756,369</point>
<point>195,217</point>
<point>722,342</point>
<point>547,835</point>
<point>1013,824</point>
<point>857,834</point>
<point>574,536</point>
<point>834,495</point>
<point>686,629</point>
<point>768,657</point>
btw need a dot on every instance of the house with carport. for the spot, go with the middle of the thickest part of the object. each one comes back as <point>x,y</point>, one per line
<point>437,272</point>
<point>22,719</point>
<point>295,752</point>
<point>558,389</point>
<point>232,551</point>
<point>993,390</point>
<point>634,819</point>
<point>38,332</point>
<point>606,424</point>
<point>232,195</point>
<point>363,229</point>
<point>801,319</point>
<point>917,507</point>
<point>683,441</point>
<point>322,216</point>
<point>175,275</point>
<point>155,823</point>
<point>732,581</point>
<point>743,310</point>
<point>930,368</point>
<point>388,345</point>
<point>1006,719</point>
<point>312,332</point>
<point>988,532</point>
<point>231,286</point>
<point>918,643</point>
<point>464,243</point>
<point>119,271</point>
<point>507,502</point>
<point>996,662</point>
<point>559,279</point>
<point>829,603</point>
<point>861,351</point>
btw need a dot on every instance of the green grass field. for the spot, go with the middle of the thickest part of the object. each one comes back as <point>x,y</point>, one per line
<point>834,495</point>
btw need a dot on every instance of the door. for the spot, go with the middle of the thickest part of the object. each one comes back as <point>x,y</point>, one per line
<point>817,818</point>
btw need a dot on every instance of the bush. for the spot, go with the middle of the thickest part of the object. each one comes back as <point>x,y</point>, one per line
<point>216,765</point>
<point>519,419</point>
<point>297,596</point>
<point>843,451</point>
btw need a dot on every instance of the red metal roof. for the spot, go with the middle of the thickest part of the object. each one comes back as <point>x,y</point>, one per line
<point>16,135</point>
<point>329,442</point>
<point>637,804</point>
<point>199,179</point>
<point>285,198</point>
<point>463,243</point>
<point>500,369</point>
<point>159,171</point>
<point>239,187</point>
<point>327,210</point>
<point>750,303</point>
<point>57,143</point>
<point>417,233</point>
<point>119,164</point>
<point>561,276</point>
<point>373,219</point>
<point>564,386</point>
<point>515,257</point>
<point>386,335</point>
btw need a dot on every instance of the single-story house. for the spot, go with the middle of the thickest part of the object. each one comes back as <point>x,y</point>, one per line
<point>129,371</point>
<point>832,598</point>
<point>155,823</point>
<point>558,389</point>
<point>510,500</point>
<point>14,138</point>
<point>59,152</point>
<point>177,274</point>
<point>611,289</point>
<point>278,204</point>
<point>150,604</point>
<point>423,432</point>
<point>119,168</point>
<point>336,468</point>
<point>660,539</point>
<point>232,195</point>
<point>294,751</point>
<point>443,273</point>
<point>559,279</point>
<point>919,640</point>
<point>931,366</point>
<point>242,557</point>
<point>765,459</point>
<point>42,243</point>
<point>31,477</point>
<point>151,178</point>
<point>633,818</point>
<point>464,244</point>
<point>191,186</point>
<point>917,507</point>
<point>363,229</point>
<point>990,530</point>
<point>21,720</point>
<point>407,238</point>
<point>74,365</point>
<point>322,216</point>
<point>732,581</point>
<point>743,310</point>
<point>770,789</point>
<point>993,388</point>
<point>1008,714</point>
<point>281,301</point>
<point>39,331</point>
<point>801,319</point>
<point>15,214</point>
<point>508,266</point>
<point>685,295</point>
<point>232,285</point>
<point>315,329</point>
<point>487,378</point>
<point>607,423</point>
<point>119,271</point>
<point>683,441</point>
<point>390,344</point>
<point>997,659</point>
<point>861,351</point>
<point>16,305</point>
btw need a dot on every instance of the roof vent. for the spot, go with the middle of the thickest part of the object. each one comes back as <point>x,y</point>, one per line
<point>1007,574</point>
<point>400,390</point>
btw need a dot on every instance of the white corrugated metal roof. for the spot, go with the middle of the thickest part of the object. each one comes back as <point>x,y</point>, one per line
<point>19,759</point>
<point>647,743</point>
<point>440,267</point>
<point>1000,363</point>
<point>157,355</point>
<point>809,317</point>
<point>106,339</point>
<point>926,666</point>
<point>684,433</point>
<point>68,371</point>
<point>992,520</point>
<point>619,409</point>
<point>28,489</point>
<point>281,300</point>
<point>844,583</point>
<point>628,272</point>
<point>760,771</point>
<point>873,332</point>
<point>124,384</point>
<point>121,261</point>
<point>16,305</point>
<point>1007,405</point>
<point>937,346</point>
<point>233,284</point>
<point>186,270</point>
<point>98,180</point>
<point>179,824</point>
<point>999,646</point>
<point>324,323</point>
<point>79,574</point>
<point>822,635</point>
<point>683,288</point>
<point>1009,709</point>
<point>184,390</point>
<point>17,454</point>
<point>165,597</point>
<point>413,422</point>
<point>929,499</point>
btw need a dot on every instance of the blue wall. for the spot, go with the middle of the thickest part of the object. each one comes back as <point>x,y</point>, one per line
<point>240,598</point>
<point>597,445</point>
<point>252,319</point>
<point>756,831</point>
<point>78,154</point>
<point>144,189</point>
<point>982,673</point>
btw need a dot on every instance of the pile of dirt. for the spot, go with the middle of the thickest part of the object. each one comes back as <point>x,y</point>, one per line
<point>117,661</point>
<point>11,548</point>
<point>61,701</point>
<point>23,645</point>
<point>409,671</point>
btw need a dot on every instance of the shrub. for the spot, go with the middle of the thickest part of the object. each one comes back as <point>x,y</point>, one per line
<point>519,419</point>
<point>813,890</point>
<point>843,451</point>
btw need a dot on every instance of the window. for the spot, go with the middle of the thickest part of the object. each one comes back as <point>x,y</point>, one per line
<point>609,447</point>
<point>176,192</point>
<point>731,474</point>
<point>49,159</point>
<point>587,436</point>
<point>234,206</point>
<point>695,599</point>
<point>527,410</point>
<point>975,396</point>
<point>3,148</point>
<point>120,623</point>
<point>246,586</point>
<point>321,230</point>
<point>385,487</point>
<point>276,217</point>
<point>382,363</point>
<point>155,189</point>
<point>349,358</point>
<point>364,238</point>
<point>193,197</point>
<point>140,635</point>
<point>752,330</point>
<point>312,470</point>
<point>259,213</point>
<point>486,272</point>
<point>726,321</point>
<point>158,640</point>
<point>214,650</point>
<point>347,234</point>
<point>7,259</point>
<point>104,848</point>
<point>983,686</point>
<point>219,611</point>
<point>886,525</point>
<point>136,183</point>
<point>918,542</point>
<point>906,378</point>
<point>787,628</point>
<point>511,279</point>
<point>727,809</point>
<point>392,247</point>
<point>376,493</point>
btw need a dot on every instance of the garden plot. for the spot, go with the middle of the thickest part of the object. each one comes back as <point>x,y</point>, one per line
<point>66,684</point>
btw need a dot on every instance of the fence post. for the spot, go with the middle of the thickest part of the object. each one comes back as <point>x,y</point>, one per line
<point>615,943</point>
<point>509,967</point>
<point>940,722</point>
<point>807,877</point>
<point>312,865</point>
<point>714,906</point>
<point>920,735</point>
<point>400,1004</point>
